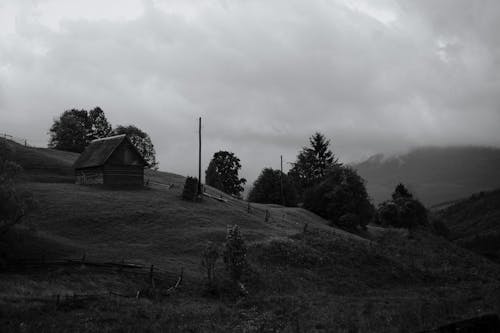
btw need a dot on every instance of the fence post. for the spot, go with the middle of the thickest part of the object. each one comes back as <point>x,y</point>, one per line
<point>151,276</point>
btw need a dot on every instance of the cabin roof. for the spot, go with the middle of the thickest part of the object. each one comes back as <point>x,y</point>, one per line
<point>99,150</point>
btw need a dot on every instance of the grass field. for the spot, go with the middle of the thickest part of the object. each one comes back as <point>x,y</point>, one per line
<point>323,280</point>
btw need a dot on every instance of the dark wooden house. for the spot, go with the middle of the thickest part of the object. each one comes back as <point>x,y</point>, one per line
<point>111,161</point>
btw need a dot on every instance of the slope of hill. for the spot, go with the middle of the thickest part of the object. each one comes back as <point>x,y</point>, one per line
<point>434,174</point>
<point>475,223</point>
<point>41,164</point>
<point>320,280</point>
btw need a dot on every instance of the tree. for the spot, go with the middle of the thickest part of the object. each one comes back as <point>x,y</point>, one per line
<point>312,163</point>
<point>401,192</point>
<point>222,173</point>
<point>74,129</point>
<point>142,142</point>
<point>99,127</point>
<point>341,198</point>
<point>69,132</point>
<point>403,211</point>
<point>13,204</point>
<point>267,188</point>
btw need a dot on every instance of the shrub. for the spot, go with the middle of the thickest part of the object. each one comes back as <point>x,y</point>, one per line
<point>235,253</point>
<point>190,191</point>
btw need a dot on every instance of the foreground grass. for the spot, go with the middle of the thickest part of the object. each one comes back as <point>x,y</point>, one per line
<point>310,282</point>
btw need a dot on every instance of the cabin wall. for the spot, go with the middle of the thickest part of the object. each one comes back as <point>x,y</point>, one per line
<point>124,175</point>
<point>89,176</point>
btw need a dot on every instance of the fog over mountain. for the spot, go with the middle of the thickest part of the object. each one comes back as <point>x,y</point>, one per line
<point>374,76</point>
<point>434,174</point>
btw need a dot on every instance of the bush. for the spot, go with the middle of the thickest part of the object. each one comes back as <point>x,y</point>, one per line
<point>342,192</point>
<point>190,191</point>
<point>235,253</point>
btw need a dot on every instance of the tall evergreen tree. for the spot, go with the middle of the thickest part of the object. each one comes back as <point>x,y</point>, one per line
<point>312,163</point>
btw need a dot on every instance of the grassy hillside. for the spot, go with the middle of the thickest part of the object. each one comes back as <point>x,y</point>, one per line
<point>322,280</point>
<point>434,174</point>
<point>475,223</point>
<point>41,164</point>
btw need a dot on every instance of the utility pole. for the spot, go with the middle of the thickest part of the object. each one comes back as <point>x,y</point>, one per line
<point>281,181</point>
<point>199,158</point>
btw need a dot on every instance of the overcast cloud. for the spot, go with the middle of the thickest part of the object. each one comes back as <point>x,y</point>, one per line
<point>374,76</point>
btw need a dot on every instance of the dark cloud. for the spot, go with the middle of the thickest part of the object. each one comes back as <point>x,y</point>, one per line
<point>374,77</point>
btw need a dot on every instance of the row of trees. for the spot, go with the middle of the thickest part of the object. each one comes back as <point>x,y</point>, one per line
<point>75,129</point>
<point>323,185</point>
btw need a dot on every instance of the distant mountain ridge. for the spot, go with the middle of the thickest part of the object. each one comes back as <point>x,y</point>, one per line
<point>434,174</point>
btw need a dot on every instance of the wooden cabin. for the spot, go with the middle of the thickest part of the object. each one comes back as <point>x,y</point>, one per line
<point>113,161</point>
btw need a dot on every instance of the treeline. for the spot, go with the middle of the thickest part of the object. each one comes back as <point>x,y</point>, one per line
<point>321,184</point>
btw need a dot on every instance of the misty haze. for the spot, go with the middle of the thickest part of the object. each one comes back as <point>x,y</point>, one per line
<point>250,166</point>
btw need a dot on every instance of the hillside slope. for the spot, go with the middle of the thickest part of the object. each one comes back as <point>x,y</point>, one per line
<point>320,280</point>
<point>475,223</point>
<point>434,174</point>
<point>41,164</point>
<point>153,225</point>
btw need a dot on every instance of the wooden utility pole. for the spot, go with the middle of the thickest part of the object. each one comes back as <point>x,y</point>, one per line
<point>281,181</point>
<point>199,157</point>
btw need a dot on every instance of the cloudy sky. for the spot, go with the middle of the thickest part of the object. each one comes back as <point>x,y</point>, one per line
<point>374,76</point>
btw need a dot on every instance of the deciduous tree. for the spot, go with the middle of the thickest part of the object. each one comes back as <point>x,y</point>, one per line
<point>141,141</point>
<point>222,173</point>
<point>267,188</point>
<point>403,211</point>
<point>74,129</point>
<point>341,198</point>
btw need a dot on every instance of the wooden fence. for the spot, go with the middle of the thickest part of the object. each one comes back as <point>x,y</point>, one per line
<point>153,274</point>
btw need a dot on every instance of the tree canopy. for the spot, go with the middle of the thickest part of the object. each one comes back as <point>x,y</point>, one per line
<point>267,188</point>
<point>222,173</point>
<point>312,163</point>
<point>341,198</point>
<point>403,211</point>
<point>141,141</point>
<point>74,129</point>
